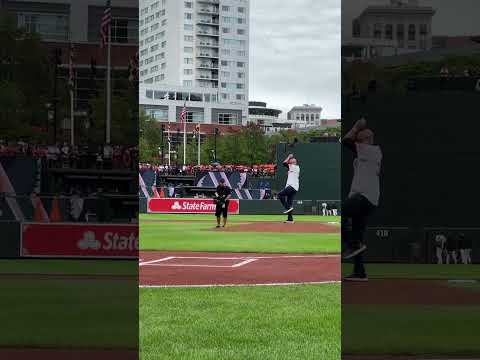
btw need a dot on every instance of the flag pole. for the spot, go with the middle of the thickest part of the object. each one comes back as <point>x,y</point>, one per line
<point>72,119</point>
<point>198,154</point>
<point>169,144</point>
<point>184,142</point>
<point>109,84</point>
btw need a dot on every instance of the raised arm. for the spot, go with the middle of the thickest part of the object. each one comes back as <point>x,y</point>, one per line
<point>349,138</point>
<point>285,162</point>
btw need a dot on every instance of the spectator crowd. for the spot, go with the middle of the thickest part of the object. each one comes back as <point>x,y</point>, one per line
<point>266,170</point>
<point>79,157</point>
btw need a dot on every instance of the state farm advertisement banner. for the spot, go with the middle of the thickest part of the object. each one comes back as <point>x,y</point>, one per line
<point>188,206</point>
<point>80,240</point>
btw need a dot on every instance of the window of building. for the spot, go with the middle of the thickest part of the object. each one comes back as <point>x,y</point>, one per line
<point>227,119</point>
<point>423,30</point>
<point>241,21</point>
<point>241,31</point>
<point>164,22</point>
<point>240,86</point>
<point>240,97</point>
<point>302,116</point>
<point>188,38</point>
<point>188,16</point>
<point>317,116</point>
<point>225,96</point>
<point>241,10</point>
<point>240,64</point>
<point>188,60</point>
<point>194,117</point>
<point>389,31</point>
<point>187,83</point>
<point>241,53</point>
<point>226,30</point>
<point>164,65</point>
<point>144,52</point>
<point>188,4</point>
<point>158,114</point>
<point>154,69</point>
<point>226,52</point>
<point>377,31</point>
<point>225,63</point>
<point>241,75</point>
<point>164,44</point>
<point>228,20</point>
<point>225,8</point>
<point>154,27</point>
<point>187,71</point>
<point>154,48</point>
<point>188,49</point>
<point>225,74</point>
<point>411,32</point>
<point>188,27</point>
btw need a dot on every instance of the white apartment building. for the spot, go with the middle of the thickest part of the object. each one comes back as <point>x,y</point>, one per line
<point>307,115</point>
<point>390,27</point>
<point>198,48</point>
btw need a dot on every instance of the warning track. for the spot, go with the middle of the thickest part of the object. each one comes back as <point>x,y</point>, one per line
<point>183,269</point>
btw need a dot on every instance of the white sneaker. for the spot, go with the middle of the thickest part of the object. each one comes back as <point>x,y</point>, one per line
<point>288,211</point>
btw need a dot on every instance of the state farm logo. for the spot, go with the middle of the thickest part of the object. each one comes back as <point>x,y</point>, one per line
<point>111,241</point>
<point>89,241</point>
<point>176,206</point>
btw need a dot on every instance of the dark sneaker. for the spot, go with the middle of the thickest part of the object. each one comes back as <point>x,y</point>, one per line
<point>217,226</point>
<point>354,250</point>
<point>358,278</point>
<point>288,211</point>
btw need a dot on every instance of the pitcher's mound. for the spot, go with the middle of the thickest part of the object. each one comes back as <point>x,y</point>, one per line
<point>274,227</point>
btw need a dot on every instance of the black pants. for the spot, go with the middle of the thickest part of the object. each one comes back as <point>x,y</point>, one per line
<point>220,210</point>
<point>286,198</point>
<point>355,212</point>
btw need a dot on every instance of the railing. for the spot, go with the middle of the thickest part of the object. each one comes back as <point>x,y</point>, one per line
<point>207,44</point>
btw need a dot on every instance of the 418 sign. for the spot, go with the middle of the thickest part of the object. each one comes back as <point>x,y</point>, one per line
<point>383,233</point>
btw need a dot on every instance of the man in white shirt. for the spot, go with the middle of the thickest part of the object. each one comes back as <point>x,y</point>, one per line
<point>364,194</point>
<point>291,188</point>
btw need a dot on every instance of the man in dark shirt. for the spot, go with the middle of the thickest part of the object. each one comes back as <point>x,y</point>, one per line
<point>222,197</point>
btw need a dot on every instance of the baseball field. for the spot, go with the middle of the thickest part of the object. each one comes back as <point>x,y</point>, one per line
<point>56,296</point>
<point>258,289</point>
<point>433,309</point>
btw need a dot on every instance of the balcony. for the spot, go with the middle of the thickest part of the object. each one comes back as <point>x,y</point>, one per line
<point>208,44</point>
<point>208,66</point>
<point>208,33</point>
<point>216,2</point>
<point>207,77</point>
<point>214,11</point>
<point>213,22</point>
<point>207,55</point>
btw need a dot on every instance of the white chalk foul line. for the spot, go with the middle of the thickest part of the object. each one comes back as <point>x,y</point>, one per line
<point>238,285</point>
<point>156,261</point>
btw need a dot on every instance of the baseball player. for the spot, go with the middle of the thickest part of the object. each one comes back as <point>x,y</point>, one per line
<point>465,249</point>
<point>452,245</point>
<point>440,242</point>
<point>364,194</point>
<point>324,209</point>
<point>222,196</point>
<point>291,188</point>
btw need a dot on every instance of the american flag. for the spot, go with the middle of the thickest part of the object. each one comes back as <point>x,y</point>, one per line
<point>105,25</point>
<point>71,72</point>
<point>133,68</point>
<point>183,114</point>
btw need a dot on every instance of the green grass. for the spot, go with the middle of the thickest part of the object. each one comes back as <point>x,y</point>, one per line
<point>382,329</point>
<point>418,271</point>
<point>197,236</point>
<point>67,313</point>
<point>235,218</point>
<point>297,322</point>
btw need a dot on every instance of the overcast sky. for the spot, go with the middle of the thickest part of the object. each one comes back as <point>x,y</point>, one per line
<point>295,54</point>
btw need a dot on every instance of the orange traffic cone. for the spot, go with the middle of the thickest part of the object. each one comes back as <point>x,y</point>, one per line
<point>38,214</point>
<point>55,215</point>
<point>162,193</point>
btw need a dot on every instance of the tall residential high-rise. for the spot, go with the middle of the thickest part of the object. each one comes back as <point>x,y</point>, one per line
<point>195,51</point>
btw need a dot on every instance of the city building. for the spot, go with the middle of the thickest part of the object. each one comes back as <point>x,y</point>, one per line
<point>61,23</point>
<point>305,116</point>
<point>393,28</point>
<point>197,52</point>
<point>260,115</point>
